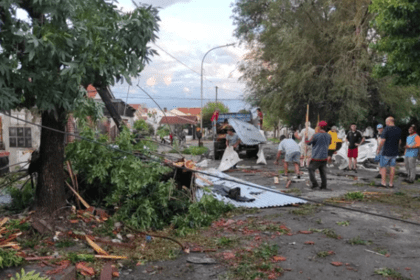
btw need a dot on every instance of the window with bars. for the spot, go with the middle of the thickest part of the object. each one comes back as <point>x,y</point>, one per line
<point>20,137</point>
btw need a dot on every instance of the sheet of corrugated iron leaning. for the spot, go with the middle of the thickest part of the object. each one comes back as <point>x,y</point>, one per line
<point>264,196</point>
<point>249,134</point>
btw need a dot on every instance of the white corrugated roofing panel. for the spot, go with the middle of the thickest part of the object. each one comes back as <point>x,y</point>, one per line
<point>264,196</point>
<point>249,134</point>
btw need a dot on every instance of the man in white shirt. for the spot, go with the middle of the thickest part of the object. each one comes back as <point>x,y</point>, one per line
<point>305,150</point>
<point>292,150</point>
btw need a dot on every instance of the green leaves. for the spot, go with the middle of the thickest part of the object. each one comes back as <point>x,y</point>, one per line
<point>318,53</point>
<point>76,42</point>
<point>9,259</point>
<point>398,24</point>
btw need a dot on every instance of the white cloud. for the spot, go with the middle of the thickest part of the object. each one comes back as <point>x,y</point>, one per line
<point>151,81</point>
<point>167,80</point>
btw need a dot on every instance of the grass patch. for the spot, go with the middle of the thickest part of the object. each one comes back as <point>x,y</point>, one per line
<point>195,150</point>
<point>305,209</point>
<point>227,242</point>
<point>256,263</point>
<point>382,251</point>
<point>324,254</point>
<point>327,231</point>
<point>390,273</point>
<point>293,190</point>
<point>274,140</point>
<point>405,203</point>
<point>65,244</point>
<point>241,211</point>
<point>354,196</point>
<point>359,241</point>
<point>343,223</point>
<point>8,258</point>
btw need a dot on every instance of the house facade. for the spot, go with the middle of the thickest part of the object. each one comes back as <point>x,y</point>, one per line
<point>19,139</point>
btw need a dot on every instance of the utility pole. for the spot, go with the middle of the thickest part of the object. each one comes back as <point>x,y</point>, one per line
<point>216,95</point>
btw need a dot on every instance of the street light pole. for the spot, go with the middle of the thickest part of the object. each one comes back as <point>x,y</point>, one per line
<point>202,62</point>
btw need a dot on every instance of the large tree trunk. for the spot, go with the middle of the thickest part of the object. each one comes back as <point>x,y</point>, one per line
<point>50,192</point>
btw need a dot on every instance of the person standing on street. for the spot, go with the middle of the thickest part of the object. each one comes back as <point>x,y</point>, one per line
<point>354,139</point>
<point>380,129</point>
<point>292,154</point>
<point>232,139</point>
<point>214,119</point>
<point>411,153</point>
<point>390,140</point>
<point>305,150</point>
<point>260,117</point>
<point>334,140</point>
<point>320,143</point>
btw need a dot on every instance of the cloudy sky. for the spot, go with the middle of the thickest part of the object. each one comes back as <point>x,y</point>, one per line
<point>188,29</point>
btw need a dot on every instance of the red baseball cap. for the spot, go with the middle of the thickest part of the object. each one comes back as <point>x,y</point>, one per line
<point>322,124</point>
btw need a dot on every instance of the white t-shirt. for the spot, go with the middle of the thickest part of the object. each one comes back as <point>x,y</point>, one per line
<point>311,133</point>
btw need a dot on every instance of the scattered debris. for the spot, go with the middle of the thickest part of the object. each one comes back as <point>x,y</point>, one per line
<point>198,260</point>
<point>98,249</point>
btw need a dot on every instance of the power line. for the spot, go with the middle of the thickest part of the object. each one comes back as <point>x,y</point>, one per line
<point>179,61</point>
<point>226,179</point>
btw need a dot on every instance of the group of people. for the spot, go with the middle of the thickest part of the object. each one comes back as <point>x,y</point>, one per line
<point>318,146</point>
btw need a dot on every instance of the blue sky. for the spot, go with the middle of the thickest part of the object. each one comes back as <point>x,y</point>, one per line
<point>188,29</point>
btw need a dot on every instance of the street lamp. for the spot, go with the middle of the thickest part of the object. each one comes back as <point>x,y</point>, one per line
<point>202,62</point>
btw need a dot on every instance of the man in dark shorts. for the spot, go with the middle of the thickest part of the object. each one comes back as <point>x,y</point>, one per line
<point>320,142</point>
<point>354,139</point>
<point>391,137</point>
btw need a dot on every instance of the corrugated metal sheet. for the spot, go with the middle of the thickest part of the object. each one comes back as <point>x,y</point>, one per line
<point>249,134</point>
<point>264,196</point>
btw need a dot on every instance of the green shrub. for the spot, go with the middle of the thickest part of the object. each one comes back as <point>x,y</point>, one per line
<point>9,259</point>
<point>354,196</point>
<point>28,276</point>
<point>195,150</point>
<point>201,214</point>
<point>21,198</point>
<point>137,188</point>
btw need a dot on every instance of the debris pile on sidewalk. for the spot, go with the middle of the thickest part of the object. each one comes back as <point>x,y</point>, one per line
<point>241,193</point>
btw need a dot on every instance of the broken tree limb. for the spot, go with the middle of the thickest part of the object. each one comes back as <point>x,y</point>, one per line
<point>111,257</point>
<point>204,179</point>
<point>79,197</point>
<point>5,220</point>
<point>73,180</point>
<point>95,246</point>
<point>184,248</point>
<point>373,252</point>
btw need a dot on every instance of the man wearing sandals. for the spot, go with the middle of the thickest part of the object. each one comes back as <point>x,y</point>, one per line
<point>390,140</point>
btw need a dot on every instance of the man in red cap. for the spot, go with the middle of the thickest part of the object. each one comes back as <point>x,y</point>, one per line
<point>320,143</point>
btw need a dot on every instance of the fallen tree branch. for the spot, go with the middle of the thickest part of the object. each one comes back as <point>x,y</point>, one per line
<point>184,248</point>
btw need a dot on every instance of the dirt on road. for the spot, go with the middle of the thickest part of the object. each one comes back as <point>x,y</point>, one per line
<point>310,241</point>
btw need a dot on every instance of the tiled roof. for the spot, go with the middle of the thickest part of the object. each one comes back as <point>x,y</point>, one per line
<point>179,120</point>
<point>135,106</point>
<point>190,111</point>
<point>91,91</point>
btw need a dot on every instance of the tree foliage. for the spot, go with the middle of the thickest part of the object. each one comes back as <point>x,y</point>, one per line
<point>68,43</point>
<point>316,53</point>
<point>209,109</point>
<point>47,60</point>
<point>398,24</point>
